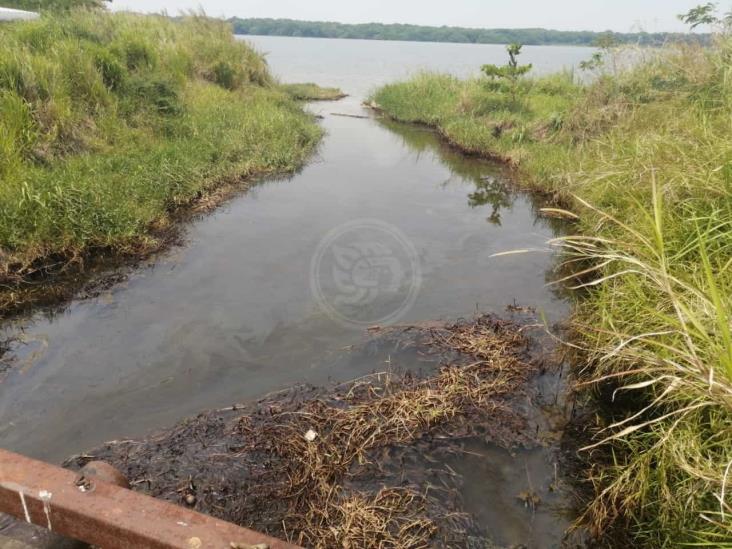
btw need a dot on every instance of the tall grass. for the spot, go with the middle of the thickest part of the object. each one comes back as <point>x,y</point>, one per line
<point>110,121</point>
<point>644,157</point>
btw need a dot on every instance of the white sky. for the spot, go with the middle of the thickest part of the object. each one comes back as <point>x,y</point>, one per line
<point>598,15</point>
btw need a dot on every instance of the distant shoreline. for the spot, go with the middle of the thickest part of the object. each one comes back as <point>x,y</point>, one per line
<point>454,35</point>
<point>241,35</point>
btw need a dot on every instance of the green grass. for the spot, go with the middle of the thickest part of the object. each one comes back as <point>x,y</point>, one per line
<point>312,92</point>
<point>109,122</point>
<point>482,116</point>
<point>644,157</point>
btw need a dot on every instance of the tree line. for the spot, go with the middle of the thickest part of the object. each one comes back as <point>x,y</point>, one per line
<point>53,5</point>
<point>416,33</point>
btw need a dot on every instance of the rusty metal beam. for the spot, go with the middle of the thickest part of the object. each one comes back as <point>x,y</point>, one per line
<point>109,516</point>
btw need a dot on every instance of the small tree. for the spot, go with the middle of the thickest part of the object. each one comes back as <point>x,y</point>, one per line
<point>607,44</point>
<point>510,72</point>
<point>706,14</point>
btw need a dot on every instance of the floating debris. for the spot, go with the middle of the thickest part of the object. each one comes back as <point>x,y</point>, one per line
<point>374,473</point>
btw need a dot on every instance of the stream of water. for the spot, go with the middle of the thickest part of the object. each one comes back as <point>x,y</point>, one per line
<point>256,300</point>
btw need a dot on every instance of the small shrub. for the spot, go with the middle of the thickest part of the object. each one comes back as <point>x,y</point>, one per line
<point>511,72</point>
<point>138,55</point>
<point>111,68</point>
<point>160,94</point>
<point>226,76</point>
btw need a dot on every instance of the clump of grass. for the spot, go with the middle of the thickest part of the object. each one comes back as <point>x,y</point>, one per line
<point>674,446</point>
<point>427,98</point>
<point>109,122</point>
<point>312,92</point>
<point>481,116</point>
<point>642,156</point>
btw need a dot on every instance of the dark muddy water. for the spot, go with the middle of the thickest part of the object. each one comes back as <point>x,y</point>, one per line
<point>384,225</point>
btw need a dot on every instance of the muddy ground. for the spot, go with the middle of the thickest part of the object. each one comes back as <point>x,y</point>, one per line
<point>365,463</point>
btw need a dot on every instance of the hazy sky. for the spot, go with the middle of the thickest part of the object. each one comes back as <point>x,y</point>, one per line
<point>618,15</point>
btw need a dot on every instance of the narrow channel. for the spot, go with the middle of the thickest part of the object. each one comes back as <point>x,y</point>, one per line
<point>231,313</point>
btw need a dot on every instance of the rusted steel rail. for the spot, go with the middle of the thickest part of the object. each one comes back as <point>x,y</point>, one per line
<point>92,507</point>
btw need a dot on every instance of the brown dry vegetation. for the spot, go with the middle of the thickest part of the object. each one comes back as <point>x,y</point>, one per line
<point>322,468</point>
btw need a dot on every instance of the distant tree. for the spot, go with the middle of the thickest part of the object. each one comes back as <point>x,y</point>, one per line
<point>53,5</point>
<point>511,72</point>
<point>380,31</point>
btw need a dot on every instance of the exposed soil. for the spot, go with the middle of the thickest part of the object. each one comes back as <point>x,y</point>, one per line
<point>362,464</point>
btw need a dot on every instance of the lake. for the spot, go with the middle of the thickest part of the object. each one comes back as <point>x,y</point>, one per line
<point>359,66</point>
<point>255,298</point>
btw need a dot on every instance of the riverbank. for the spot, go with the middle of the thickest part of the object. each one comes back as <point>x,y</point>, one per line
<point>642,158</point>
<point>111,124</point>
<point>225,318</point>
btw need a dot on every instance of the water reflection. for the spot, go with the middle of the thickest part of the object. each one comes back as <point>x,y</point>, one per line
<point>495,187</point>
<point>491,191</point>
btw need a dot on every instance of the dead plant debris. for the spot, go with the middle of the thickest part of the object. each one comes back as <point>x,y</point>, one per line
<point>358,465</point>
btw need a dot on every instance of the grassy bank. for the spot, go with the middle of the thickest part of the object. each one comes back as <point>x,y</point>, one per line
<point>110,122</point>
<point>312,92</point>
<point>644,158</point>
